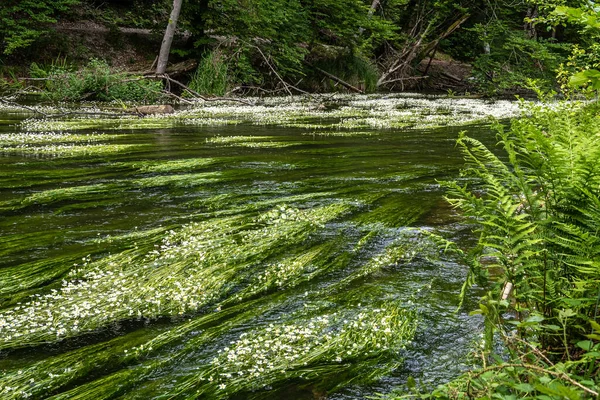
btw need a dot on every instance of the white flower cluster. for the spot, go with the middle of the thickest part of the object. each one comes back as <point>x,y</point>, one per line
<point>360,111</point>
<point>116,288</point>
<point>210,121</point>
<point>277,275</point>
<point>97,298</point>
<point>19,138</point>
<point>282,214</point>
<point>249,141</point>
<point>354,111</point>
<point>69,149</point>
<point>264,355</point>
<point>189,269</point>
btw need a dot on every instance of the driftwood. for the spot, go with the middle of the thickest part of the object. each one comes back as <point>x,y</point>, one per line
<point>157,109</point>
<point>404,59</point>
<point>180,68</point>
<point>64,114</point>
<point>12,103</point>
<point>186,88</point>
<point>451,77</point>
<point>401,66</point>
<point>335,78</point>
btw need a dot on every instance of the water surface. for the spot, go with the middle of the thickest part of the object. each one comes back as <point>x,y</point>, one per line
<point>311,213</point>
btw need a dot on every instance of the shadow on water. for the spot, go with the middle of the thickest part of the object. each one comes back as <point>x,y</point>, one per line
<point>83,211</point>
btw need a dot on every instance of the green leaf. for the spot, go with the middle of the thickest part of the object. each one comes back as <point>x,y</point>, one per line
<point>552,327</point>
<point>590,76</point>
<point>535,318</point>
<point>579,79</point>
<point>524,387</point>
<point>585,345</point>
<point>564,314</point>
<point>593,336</point>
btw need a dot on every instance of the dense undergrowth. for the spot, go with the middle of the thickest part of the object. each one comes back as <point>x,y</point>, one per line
<point>536,211</point>
<point>95,81</point>
<point>275,46</point>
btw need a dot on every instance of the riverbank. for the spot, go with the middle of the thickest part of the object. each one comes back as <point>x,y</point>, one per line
<point>127,51</point>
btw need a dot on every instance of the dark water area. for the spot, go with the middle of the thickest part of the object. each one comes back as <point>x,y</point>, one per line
<point>64,216</point>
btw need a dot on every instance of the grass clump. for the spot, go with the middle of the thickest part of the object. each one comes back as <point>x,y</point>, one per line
<point>211,76</point>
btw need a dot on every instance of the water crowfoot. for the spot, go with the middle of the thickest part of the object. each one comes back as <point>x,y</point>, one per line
<point>189,269</point>
<point>307,349</point>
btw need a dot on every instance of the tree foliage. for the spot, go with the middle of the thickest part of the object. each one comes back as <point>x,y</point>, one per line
<point>262,42</point>
<point>24,21</point>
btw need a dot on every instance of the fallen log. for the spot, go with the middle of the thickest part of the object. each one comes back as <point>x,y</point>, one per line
<point>335,79</point>
<point>178,69</point>
<point>155,109</point>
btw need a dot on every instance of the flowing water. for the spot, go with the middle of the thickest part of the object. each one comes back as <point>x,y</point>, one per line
<point>241,260</point>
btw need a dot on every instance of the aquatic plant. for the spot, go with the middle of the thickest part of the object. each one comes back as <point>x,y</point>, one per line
<point>310,349</point>
<point>21,138</point>
<point>189,269</point>
<point>71,150</point>
<point>229,239</point>
<point>351,112</point>
<point>250,141</point>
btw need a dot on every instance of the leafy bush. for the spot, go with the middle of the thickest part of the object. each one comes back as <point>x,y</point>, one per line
<point>95,82</point>
<point>514,60</point>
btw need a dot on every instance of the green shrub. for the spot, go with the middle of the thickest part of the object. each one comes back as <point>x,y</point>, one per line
<point>211,76</point>
<point>95,82</point>
<point>516,61</point>
<point>352,68</point>
<point>23,22</point>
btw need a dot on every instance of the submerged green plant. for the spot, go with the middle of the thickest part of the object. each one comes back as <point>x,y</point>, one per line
<point>248,238</point>
<point>189,269</point>
<point>315,348</point>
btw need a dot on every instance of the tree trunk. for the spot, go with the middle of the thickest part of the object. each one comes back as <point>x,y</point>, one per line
<point>529,27</point>
<point>373,7</point>
<point>165,48</point>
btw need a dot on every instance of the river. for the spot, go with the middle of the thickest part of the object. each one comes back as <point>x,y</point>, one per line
<point>154,258</point>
